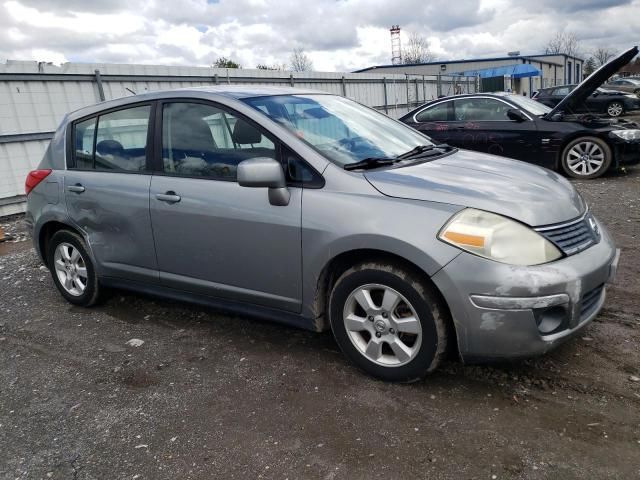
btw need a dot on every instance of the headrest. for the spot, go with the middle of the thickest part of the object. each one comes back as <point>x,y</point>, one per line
<point>109,147</point>
<point>244,133</point>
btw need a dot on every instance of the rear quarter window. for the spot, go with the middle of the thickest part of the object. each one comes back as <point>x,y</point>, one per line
<point>441,112</point>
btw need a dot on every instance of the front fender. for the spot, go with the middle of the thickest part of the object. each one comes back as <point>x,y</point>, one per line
<point>335,223</point>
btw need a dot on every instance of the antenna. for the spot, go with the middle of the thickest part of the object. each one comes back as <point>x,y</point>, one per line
<point>396,45</point>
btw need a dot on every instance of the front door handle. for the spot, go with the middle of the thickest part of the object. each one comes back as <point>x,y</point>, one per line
<point>169,197</point>
<point>77,188</point>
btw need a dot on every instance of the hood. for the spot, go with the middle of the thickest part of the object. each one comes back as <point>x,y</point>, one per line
<point>533,195</point>
<point>579,94</point>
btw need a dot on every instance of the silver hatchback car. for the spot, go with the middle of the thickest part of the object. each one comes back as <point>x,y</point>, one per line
<point>315,211</point>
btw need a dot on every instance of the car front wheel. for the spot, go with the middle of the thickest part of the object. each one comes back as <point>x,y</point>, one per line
<point>388,321</point>
<point>615,109</point>
<point>72,269</point>
<point>586,158</point>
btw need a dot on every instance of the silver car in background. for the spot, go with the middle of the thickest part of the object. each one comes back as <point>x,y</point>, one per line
<point>315,211</point>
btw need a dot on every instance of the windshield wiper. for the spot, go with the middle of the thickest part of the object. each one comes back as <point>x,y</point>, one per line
<point>371,162</point>
<point>420,149</point>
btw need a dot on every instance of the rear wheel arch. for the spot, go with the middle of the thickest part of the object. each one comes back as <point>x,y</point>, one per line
<point>344,261</point>
<point>47,231</point>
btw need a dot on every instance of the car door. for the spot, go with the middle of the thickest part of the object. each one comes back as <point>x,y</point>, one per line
<point>484,126</point>
<point>213,236</point>
<point>107,185</point>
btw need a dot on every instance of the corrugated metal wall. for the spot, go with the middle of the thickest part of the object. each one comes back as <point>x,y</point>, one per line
<point>35,96</point>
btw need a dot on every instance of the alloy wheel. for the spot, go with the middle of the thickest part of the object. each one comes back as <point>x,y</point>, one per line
<point>585,158</point>
<point>70,269</point>
<point>382,325</point>
<point>615,109</point>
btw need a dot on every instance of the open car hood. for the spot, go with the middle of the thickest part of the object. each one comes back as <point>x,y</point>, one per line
<point>579,94</point>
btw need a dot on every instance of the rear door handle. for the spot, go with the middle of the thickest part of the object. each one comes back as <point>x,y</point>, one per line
<point>169,197</point>
<point>77,188</point>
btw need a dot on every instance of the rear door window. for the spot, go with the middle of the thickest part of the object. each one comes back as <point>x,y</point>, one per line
<point>480,109</point>
<point>122,140</point>
<point>115,141</point>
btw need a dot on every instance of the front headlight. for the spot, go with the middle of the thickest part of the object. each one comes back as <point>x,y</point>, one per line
<point>498,238</point>
<point>627,134</point>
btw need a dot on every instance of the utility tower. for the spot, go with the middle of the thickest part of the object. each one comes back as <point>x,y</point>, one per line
<point>396,45</point>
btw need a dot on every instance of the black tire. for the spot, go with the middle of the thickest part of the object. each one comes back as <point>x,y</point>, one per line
<point>615,109</point>
<point>431,314</point>
<point>637,92</point>
<point>92,292</point>
<point>567,157</point>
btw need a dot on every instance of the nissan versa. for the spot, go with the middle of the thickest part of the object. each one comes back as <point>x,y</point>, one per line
<point>313,210</point>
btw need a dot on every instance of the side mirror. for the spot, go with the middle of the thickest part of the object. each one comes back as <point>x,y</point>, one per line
<point>516,115</point>
<point>595,94</point>
<point>264,172</point>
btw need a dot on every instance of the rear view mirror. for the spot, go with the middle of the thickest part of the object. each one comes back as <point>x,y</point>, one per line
<point>316,113</point>
<point>264,172</point>
<point>516,115</point>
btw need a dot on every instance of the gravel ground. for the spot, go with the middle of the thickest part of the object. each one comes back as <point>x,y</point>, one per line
<point>213,396</point>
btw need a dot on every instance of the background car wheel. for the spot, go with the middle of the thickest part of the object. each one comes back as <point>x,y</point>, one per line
<point>586,157</point>
<point>637,92</point>
<point>615,109</point>
<point>72,269</point>
<point>388,321</point>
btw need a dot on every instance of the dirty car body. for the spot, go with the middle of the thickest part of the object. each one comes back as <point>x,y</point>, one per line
<point>267,201</point>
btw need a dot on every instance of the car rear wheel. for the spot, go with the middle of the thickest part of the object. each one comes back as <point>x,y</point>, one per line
<point>615,109</point>
<point>586,157</point>
<point>388,322</point>
<point>72,269</point>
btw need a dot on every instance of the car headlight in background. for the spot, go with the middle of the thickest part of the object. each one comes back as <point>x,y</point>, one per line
<point>498,238</point>
<point>627,134</point>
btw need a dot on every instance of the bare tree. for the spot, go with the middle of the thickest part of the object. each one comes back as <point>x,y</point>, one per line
<point>564,42</point>
<point>300,61</point>
<point>602,55</point>
<point>416,49</point>
<point>275,66</point>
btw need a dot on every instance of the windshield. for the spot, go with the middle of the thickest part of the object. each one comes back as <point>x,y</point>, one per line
<point>529,105</point>
<point>341,129</point>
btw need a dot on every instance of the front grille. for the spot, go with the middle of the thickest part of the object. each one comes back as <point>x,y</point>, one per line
<point>572,237</point>
<point>589,301</point>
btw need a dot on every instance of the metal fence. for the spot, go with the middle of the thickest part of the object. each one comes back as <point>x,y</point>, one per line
<point>35,96</point>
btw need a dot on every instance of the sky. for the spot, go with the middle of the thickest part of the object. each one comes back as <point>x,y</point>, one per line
<point>338,35</point>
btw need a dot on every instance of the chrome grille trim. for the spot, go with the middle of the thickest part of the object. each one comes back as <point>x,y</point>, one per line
<point>571,237</point>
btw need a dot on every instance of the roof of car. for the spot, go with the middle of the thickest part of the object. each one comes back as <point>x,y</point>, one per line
<point>236,92</point>
<point>462,95</point>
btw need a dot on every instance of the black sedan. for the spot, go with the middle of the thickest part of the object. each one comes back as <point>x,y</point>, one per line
<point>582,145</point>
<point>610,102</point>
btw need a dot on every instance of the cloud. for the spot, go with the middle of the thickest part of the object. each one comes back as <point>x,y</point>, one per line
<point>337,34</point>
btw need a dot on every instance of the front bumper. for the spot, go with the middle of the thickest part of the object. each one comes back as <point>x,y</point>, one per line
<point>506,311</point>
<point>628,153</point>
